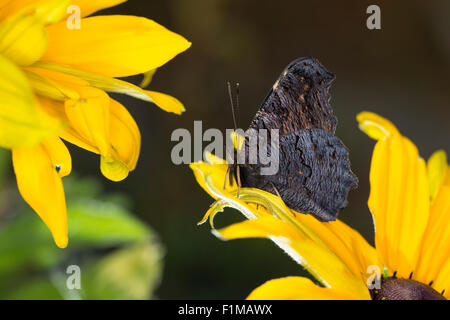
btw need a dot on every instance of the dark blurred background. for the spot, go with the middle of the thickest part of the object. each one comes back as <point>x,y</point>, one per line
<point>400,72</point>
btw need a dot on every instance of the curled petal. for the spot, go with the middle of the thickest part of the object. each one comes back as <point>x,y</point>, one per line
<point>125,142</point>
<point>319,259</point>
<point>89,116</point>
<point>327,250</point>
<point>375,126</point>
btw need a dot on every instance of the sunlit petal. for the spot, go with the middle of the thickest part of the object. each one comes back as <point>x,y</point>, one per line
<point>22,121</point>
<point>90,116</point>
<point>375,126</point>
<point>23,39</point>
<point>436,241</point>
<point>39,183</point>
<point>119,46</point>
<point>125,140</point>
<point>297,288</point>
<point>166,102</point>
<point>399,195</point>
<point>89,7</point>
<point>318,259</point>
<point>437,171</point>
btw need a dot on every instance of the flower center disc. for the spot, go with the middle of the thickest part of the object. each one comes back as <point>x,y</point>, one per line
<point>404,289</point>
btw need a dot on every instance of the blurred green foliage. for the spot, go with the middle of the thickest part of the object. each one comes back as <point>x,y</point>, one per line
<point>118,255</point>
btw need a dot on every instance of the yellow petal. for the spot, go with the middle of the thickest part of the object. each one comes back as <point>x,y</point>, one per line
<point>399,202</point>
<point>297,288</point>
<point>114,170</point>
<point>443,280</point>
<point>23,39</point>
<point>90,116</point>
<point>22,121</point>
<point>51,84</point>
<point>319,260</point>
<point>214,160</point>
<point>347,243</point>
<point>166,102</point>
<point>51,11</point>
<point>436,241</point>
<point>148,76</point>
<point>326,250</point>
<point>437,171</point>
<point>238,140</point>
<point>216,172</point>
<point>375,126</point>
<point>59,156</point>
<point>125,140</point>
<point>57,109</point>
<point>40,184</point>
<point>118,46</point>
<point>47,11</point>
<point>89,7</point>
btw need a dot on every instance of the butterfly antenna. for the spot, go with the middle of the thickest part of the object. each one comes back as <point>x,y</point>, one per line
<point>237,172</point>
<point>230,94</point>
<point>238,86</point>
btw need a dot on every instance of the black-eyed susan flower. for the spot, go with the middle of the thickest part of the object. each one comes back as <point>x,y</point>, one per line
<point>410,204</point>
<point>54,81</point>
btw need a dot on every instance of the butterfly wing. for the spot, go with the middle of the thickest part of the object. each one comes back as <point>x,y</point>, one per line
<point>314,173</point>
<point>299,99</point>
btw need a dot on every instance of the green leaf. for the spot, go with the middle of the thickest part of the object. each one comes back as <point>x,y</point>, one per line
<point>129,273</point>
<point>120,256</point>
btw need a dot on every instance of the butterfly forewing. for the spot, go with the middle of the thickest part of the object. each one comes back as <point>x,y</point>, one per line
<point>299,99</point>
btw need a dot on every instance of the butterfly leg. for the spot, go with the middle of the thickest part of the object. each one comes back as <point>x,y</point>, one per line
<point>238,179</point>
<point>226,177</point>
<point>278,194</point>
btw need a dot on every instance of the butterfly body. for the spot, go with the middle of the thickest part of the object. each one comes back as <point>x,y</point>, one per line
<point>314,173</point>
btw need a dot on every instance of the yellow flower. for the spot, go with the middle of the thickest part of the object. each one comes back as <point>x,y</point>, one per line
<point>410,204</point>
<point>56,66</point>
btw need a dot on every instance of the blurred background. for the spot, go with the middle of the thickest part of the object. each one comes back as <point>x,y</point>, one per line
<point>153,247</point>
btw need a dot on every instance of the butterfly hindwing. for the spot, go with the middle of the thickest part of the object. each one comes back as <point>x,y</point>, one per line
<point>314,173</point>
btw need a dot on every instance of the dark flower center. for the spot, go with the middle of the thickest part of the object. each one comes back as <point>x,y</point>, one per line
<point>404,289</point>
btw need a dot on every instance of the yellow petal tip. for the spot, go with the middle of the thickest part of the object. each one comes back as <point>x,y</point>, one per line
<point>437,171</point>
<point>114,170</point>
<point>375,126</point>
<point>166,102</point>
<point>62,242</point>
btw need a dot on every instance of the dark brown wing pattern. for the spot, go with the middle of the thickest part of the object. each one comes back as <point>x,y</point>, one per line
<point>314,169</point>
<point>299,99</point>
